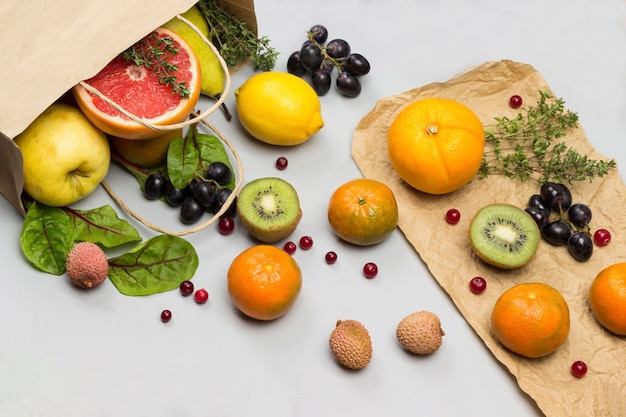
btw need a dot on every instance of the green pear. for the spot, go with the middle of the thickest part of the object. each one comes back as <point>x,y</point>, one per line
<point>211,70</point>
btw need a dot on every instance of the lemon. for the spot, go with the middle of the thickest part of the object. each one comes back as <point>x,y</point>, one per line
<point>211,70</point>
<point>278,108</point>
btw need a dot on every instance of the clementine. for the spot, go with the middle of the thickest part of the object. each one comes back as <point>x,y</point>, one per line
<point>531,319</point>
<point>607,298</point>
<point>140,90</point>
<point>363,211</point>
<point>264,282</point>
<point>436,145</point>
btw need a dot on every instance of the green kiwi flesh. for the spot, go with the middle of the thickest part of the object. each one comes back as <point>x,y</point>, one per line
<point>269,208</point>
<point>504,236</point>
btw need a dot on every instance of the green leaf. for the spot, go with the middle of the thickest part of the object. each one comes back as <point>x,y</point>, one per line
<point>102,226</point>
<point>157,265</point>
<point>211,149</point>
<point>182,159</point>
<point>46,238</point>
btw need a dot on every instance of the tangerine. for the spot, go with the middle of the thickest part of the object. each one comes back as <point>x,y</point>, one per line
<point>607,298</point>
<point>436,145</point>
<point>531,319</point>
<point>140,90</point>
<point>264,282</point>
<point>363,211</point>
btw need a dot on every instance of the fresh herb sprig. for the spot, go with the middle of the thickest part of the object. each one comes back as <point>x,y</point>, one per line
<point>153,53</point>
<point>234,40</point>
<point>527,145</point>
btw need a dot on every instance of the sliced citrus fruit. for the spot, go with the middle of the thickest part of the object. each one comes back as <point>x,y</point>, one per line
<point>142,91</point>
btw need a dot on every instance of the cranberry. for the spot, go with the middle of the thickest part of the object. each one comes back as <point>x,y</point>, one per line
<point>186,288</point>
<point>602,237</point>
<point>226,225</point>
<point>331,257</point>
<point>515,102</point>
<point>290,247</point>
<point>579,369</point>
<point>306,242</point>
<point>201,296</point>
<point>281,163</point>
<point>453,216</point>
<point>166,316</point>
<point>478,285</point>
<point>370,270</point>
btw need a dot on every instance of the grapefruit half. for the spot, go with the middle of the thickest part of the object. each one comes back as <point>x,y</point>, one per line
<point>140,91</point>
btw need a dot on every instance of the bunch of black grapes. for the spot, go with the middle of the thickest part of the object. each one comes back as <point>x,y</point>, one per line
<point>561,222</point>
<point>319,59</point>
<point>199,196</point>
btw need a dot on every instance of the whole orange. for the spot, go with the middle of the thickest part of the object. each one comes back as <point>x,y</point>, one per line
<point>607,298</point>
<point>264,282</point>
<point>436,145</point>
<point>363,211</point>
<point>531,319</point>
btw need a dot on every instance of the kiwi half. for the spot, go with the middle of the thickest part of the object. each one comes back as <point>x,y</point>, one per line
<point>504,235</point>
<point>269,208</point>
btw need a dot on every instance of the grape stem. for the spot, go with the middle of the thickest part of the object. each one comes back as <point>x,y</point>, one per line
<point>526,146</point>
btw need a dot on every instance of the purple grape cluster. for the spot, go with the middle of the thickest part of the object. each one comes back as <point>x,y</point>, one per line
<point>561,222</point>
<point>199,196</point>
<point>320,58</point>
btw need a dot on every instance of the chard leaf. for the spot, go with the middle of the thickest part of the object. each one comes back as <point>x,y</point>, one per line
<point>102,226</point>
<point>157,265</point>
<point>182,159</point>
<point>211,149</point>
<point>46,238</point>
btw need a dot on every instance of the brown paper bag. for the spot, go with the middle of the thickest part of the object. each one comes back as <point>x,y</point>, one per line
<point>61,43</point>
<point>446,252</point>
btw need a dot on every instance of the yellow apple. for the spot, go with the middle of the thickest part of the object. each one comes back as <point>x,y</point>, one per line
<point>65,156</point>
<point>146,153</point>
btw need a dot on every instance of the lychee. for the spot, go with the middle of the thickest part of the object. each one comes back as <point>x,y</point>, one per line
<point>420,332</point>
<point>350,343</point>
<point>87,265</point>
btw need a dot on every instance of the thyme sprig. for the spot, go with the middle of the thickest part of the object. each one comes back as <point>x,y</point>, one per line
<point>527,145</point>
<point>154,52</point>
<point>235,41</point>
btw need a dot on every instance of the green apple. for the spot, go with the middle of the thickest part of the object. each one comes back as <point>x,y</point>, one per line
<point>65,156</point>
<point>211,70</point>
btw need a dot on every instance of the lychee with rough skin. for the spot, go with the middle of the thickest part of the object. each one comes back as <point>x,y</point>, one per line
<point>87,265</point>
<point>351,344</point>
<point>420,332</point>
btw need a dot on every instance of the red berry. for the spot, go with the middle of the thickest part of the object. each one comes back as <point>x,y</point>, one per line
<point>201,296</point>
<point>515,101</point>
<point>579,369</point>
<point>602,237</point>
<point>453,216</point>
<point>186,288</point>
<point>166,316</point>
<point>370,270</point>
<point>306,242</point>
<point>331,257</point>
<point>226,225</point>
<point>478,285</point>
<point>281,163</point>
<point>290,247</point>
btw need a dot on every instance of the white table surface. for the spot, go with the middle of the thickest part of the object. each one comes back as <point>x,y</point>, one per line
<point>70,353</point>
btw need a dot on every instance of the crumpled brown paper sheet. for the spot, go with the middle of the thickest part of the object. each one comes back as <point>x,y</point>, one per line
<point>446,252</point>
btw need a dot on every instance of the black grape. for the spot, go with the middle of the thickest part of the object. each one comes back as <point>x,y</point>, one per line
<point>348,84</point>
<point>357,64</point>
